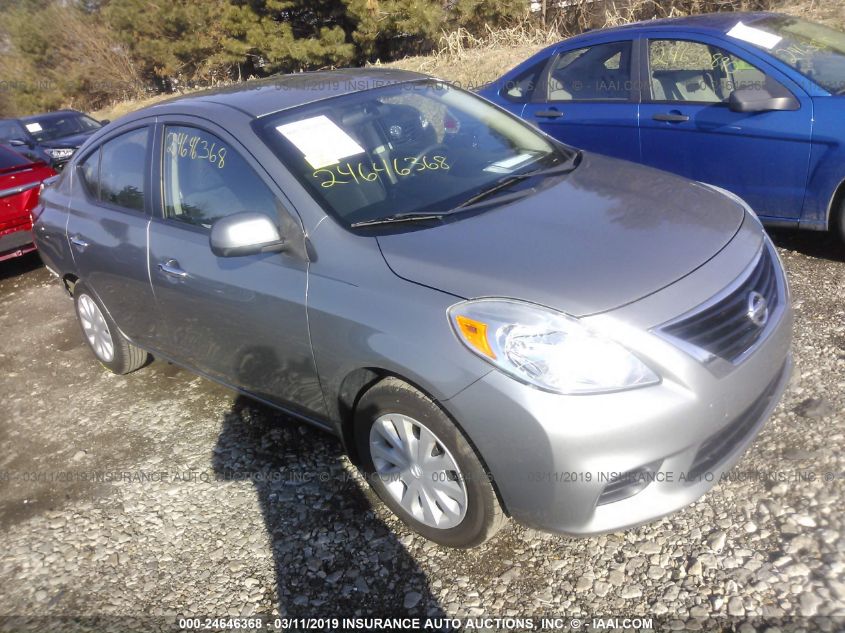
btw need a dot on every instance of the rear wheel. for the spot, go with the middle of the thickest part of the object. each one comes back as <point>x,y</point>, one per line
<point>838,225</point>
<point>113,351</point>
<point>422,467</point>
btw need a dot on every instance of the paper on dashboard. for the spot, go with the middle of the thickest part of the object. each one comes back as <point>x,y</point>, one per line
<point>321,141</point>
<point>754,36</point>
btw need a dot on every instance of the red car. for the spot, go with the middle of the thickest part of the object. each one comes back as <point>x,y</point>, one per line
<point>20,180</point>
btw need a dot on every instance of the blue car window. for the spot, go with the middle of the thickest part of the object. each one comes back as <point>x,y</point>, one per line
<point>205,179</point>
<point>687,71</point>
<point>520,89</point>
<point>597,73</point>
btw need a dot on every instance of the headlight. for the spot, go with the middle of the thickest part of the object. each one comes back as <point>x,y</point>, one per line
<point>546,348</point>
<point>59,153</point>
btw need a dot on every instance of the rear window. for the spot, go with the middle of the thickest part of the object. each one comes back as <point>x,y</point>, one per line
<point>10,159</point>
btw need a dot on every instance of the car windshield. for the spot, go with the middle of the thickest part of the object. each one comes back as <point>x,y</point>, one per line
<point>815,51</point>
<point>11,130</point>
<point>408,148</point>
<point>51,127</point>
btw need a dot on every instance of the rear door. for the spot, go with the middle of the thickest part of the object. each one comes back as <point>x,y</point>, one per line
<point>107,227</point>
<point>687,126</point>
<point>238,319</point>
<point>588,98</point>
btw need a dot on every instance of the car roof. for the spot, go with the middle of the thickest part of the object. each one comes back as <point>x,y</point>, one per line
<point>48,115</point>
<point>261,97</point>
<point>717,22</point>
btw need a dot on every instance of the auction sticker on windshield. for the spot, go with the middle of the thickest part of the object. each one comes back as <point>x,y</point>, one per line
<point>320,140</point>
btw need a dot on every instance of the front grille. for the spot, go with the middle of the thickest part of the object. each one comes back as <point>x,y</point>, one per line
<point>719,446</point>
<point>724,328</point>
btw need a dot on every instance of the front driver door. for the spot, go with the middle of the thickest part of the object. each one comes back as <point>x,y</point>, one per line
<point>243,319</point>
<point>687,126</point>
<point>587,98</point>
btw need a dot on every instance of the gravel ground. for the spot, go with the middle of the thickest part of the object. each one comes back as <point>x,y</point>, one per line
<point>161,493</point>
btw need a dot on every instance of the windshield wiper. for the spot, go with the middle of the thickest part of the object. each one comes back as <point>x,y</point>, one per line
<point>478,199</point>
<point>563,168</point>
<point>399,218</point>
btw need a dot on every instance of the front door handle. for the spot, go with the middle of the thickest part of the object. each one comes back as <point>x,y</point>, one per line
<point>548,114</point>
<point>171,267</point>
<point>79,242</point>
<point>671,117</point>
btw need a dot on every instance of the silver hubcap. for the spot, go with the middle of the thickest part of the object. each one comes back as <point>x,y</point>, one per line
<point>96,329</point>
<point>418,471</point>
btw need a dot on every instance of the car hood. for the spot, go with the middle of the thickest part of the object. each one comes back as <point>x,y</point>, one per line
<point>609,233</point>
<point>74,141</point>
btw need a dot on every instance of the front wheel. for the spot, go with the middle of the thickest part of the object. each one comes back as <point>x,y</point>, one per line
<point>422,467</point>
<point>113,351</point>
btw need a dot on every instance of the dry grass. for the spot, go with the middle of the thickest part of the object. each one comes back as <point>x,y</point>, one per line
<point>471,61</point>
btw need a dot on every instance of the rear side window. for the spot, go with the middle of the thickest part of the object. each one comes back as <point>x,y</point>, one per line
<point>520,89</point>
<point>597,73</point>
<point>122,170</point>
<point>205,179</point>
<point>115,174</point>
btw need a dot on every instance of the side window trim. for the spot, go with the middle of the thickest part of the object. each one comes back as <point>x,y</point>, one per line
<point>541,90</point>
<point>96,199</point>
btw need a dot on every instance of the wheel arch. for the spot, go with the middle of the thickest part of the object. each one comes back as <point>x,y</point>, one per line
<point>69,281</point>
<point>353,387</point>
<point>836,202</point>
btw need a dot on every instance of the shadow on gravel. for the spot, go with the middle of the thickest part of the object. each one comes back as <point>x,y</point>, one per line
<point>333,556</point>
<point>810,243</point>
<point>19,265</point>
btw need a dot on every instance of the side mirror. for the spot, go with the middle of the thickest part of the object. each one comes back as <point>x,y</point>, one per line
<point>763,99</point>
<point>105,121</point>
<point>18,142</point>
<point>245,233</point>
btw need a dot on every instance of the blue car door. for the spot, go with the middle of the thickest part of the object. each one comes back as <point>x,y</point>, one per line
<point>587,98</point>
<point>687,125</point>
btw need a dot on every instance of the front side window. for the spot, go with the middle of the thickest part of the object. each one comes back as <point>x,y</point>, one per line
<point>815,51</point>
<point>123,170</point>
<point>687,71</point>
<point>205,179</point>
<point>404,148</point>
<point>597,73</point>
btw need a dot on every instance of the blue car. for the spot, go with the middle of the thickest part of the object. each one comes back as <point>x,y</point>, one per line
<point>750,102</point>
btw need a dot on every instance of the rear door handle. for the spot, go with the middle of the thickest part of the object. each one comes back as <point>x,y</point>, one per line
<point>671,118</point>
<point>79,242</point>
<point>171,267</point>
<point>548,114</point>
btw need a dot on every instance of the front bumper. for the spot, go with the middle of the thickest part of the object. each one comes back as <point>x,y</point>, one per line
<point>554,458</point>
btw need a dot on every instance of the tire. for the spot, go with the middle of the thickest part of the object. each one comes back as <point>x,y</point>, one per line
<point>109,346</point>
<point>838,224</point>
<point>457,507</point>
